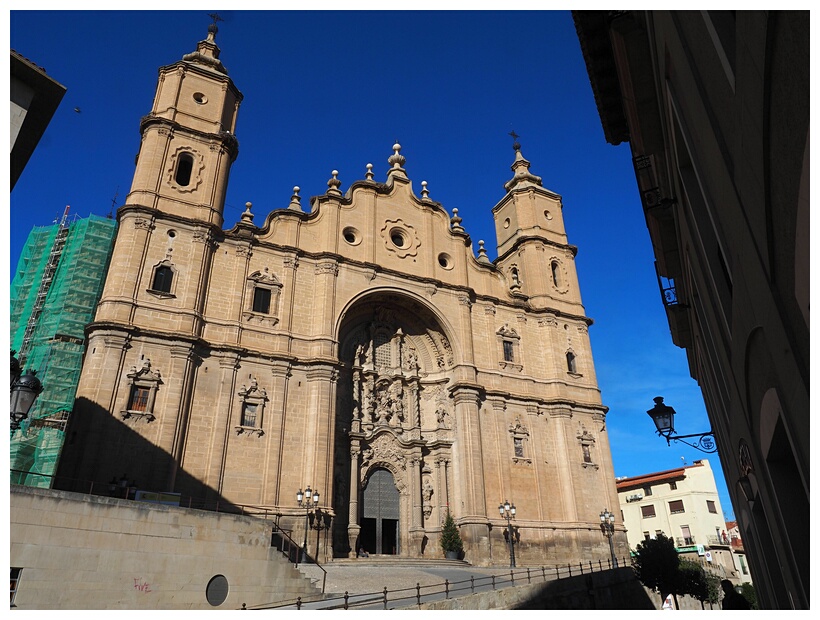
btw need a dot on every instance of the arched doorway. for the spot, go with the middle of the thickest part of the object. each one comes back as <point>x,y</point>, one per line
<point>394,426</point>
<point>380,514</point>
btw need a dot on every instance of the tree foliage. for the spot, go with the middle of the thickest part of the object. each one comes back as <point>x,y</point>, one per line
<point>450,536</point>
<point>697,582</point>
<point>749,593</point>
<point>656,565</point>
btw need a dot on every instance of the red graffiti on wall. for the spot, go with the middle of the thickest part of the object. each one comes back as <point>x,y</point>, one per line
<point>142,586</point>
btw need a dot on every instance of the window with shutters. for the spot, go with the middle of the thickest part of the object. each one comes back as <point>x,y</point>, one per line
<point>261,306</point>
<point>139,398</point>
<point>163,280</point>
<point>648,511</point>
<point>143,384</point>
<point>261,300</point>
<point>676,506</point>
<point>251,409</point>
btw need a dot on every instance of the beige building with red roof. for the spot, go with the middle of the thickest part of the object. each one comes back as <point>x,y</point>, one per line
<point>683,504</point>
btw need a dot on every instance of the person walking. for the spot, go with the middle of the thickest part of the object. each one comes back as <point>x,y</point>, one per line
<point>731,598</point>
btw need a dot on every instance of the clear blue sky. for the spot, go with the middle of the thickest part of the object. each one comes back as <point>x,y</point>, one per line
<point>334,90</point>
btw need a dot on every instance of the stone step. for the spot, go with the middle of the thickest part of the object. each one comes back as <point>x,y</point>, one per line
<point>392,560</point>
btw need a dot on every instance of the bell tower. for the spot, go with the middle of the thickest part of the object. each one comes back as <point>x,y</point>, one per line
<point>533,251</point>
<point>188,142</point>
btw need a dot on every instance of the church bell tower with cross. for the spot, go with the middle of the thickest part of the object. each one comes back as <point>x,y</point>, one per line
<point>188,142</point>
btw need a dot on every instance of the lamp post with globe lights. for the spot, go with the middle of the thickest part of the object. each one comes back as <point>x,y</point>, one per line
<point>608,528</point>
<point>507,511</point>
<point>309,500</point>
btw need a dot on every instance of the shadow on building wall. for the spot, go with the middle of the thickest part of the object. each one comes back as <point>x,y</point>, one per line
<point>102,455</point>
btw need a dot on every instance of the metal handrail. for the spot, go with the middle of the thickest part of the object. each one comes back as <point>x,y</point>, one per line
<point>449,588</point>
<point>298,550</point>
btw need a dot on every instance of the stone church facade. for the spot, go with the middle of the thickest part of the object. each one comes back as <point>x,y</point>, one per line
<point>356,344</point>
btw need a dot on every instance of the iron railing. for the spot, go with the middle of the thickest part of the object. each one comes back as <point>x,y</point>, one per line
<point>418,594</point>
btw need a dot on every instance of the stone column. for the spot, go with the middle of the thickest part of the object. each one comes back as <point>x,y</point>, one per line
<point>317,469</point>
<point>441,490</point>
<point>562,418</point>
<point>276,420</point>
<point>470,464</point>
<point>353,526</point>
<point>190,362</point>
<point>101,368</point>
<point>209,245</point>
<point>416,530</point>
<point>325,273</point>
<point>470,510</point>
<point>228,363</point>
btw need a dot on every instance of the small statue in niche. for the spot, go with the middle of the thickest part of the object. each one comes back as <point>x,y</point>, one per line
<point>369,400</point>
<point>427,496</point>
<point>410,359</point>
<point>383,408</point>
<point>441,414</point>
<point>396,404</point>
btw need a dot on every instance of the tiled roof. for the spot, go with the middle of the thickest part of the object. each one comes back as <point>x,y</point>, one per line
<point>662,476</point>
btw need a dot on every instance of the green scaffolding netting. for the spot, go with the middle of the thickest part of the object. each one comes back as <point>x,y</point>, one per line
<point>57,342</point>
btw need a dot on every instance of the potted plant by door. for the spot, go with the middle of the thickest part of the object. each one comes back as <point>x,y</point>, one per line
<point>450,539</point>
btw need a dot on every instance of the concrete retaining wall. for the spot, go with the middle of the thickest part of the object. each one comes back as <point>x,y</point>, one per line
<point>89,552</point>
<point>613,589</point>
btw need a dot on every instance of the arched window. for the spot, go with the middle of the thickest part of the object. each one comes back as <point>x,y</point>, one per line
<point>571,362</point>
<point>163,276</point>
<point>555,280</point>
<point>185,166</point>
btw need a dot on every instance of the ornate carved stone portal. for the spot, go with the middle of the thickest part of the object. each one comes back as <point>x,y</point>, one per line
<point>393,416</point>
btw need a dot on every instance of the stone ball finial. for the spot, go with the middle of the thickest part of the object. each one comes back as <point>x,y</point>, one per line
<point>396,160</point>
<point>369,174</point>
<point>295,199</point>
<point>247,216</point>
<point>334,183</point>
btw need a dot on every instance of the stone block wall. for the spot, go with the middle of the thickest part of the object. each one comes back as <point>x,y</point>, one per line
<point>89,552</point>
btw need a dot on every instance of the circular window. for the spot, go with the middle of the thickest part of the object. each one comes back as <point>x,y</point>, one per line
<point>200,98</point>
<point>217,590</point>
<point>445,261</point>
<point>399,238</point>
<point>351,235</point>
<point>507,223</point>
<point>548,215</point>
<point>172,234</point>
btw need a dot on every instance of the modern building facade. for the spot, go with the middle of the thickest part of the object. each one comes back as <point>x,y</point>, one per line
<point>34,97</point>
<point>357,344</point>
<point>682,504</point>
<point>715,106</point>
<point>56,287</point>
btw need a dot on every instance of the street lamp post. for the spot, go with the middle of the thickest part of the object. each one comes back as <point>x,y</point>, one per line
<point>24,391</point>
<point>608,528</point>
<point>309,500</point>
<point>507,511</point>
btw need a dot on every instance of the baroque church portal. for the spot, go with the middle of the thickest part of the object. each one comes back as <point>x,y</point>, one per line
<point>356,344</point>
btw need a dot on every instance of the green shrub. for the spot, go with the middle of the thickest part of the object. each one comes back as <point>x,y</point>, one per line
<point>450,537</point>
